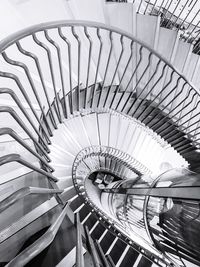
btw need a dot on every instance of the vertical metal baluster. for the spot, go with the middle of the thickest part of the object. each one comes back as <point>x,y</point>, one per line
<point>143,90</point>
<point>45,47</point>
<point>23,91</point>
<point>181,13</point>
<point>97,68</point>
<point>130,80</point>
<point>122,77</point>
<point>79,245</point>
<point>147,5</point>
<point>171,111</point>
<point>196,130</point>
<point>134,90</point>
<point>101,253</point>
<point>173,137</point>
<point>179,118</point>
<point>165,8</point>
<point>89,63</point>
<point>21,107</point>
<point>196,141</point>
<point>116,69</point>
<point>70,67</point>
<point>92,248</point>
<point>185,19</point>
<point>26,70</point>
<point>197,25</point>
<point>172,13</point>
<point>187,105</point>
<point>170,92</point>
<point>152,7</point>
<point>185,151</point>
<point>159,11</point>
<point>167,4</point>
<point>138,11</point>
<point>152,88</point>
<point>191,118</point>
<point>176,141</point>
<point>191,131</point>
<point>27,131</point>
<point>79,65</point>
<point>191,114</point>
<point>161,91</point>
<point>98,127</point>
<point>107,65</point>
<point>197,45</point>
<point>189,91</point>
<point>34,57</point>
<point>60,69</point>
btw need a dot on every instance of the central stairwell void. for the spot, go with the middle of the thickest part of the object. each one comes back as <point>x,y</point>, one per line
<point>98,133</point>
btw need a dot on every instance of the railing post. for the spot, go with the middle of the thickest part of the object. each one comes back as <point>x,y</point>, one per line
<point>110,260</point>
<point>102,255</point>
<point>79,244</point>
<point>91,248</point>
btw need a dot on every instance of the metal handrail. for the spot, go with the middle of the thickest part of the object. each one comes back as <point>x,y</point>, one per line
<point>23,192</point>
<point>163,93</point>
<point>5,43</point>
<point>40,244</point>
<point>14,135</point>
<point>17,158</point>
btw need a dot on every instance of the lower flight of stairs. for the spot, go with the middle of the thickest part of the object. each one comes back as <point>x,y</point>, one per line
<point>101,129</point>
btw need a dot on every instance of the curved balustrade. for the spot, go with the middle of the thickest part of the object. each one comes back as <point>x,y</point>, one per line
<point>150,97</point>
<point>68,69</point>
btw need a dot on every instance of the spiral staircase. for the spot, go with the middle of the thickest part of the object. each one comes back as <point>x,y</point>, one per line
<point>99,112</point>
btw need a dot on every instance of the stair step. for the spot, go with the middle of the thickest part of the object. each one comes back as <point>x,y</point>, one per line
<point>107,241</point>
<point>117,250</point>
<point>91,221</point>
<point>144,262</point>
<point>76,204</point>
<point>98,231</point>
<point>130,258</point>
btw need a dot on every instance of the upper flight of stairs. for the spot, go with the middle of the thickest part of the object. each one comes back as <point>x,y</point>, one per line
<point>119,94</point>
